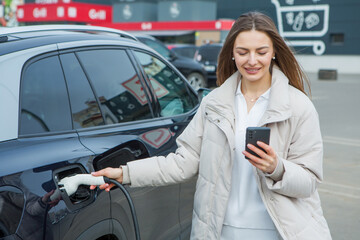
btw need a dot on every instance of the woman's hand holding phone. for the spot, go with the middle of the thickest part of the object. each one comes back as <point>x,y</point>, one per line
<point>258,151</point>
<point>267,159</point>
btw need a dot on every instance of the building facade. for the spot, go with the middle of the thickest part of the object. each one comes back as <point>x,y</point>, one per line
<point>320,26</point>
<point>323,28</point>
<point>324,33</point>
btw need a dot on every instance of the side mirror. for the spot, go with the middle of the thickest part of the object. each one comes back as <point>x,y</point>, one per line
<point>202,92</point>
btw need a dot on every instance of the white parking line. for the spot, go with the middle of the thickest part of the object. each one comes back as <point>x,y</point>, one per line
<point>339,194</point>
<point>342,141</point>
<point>340,190</point>
<point>341,186</point>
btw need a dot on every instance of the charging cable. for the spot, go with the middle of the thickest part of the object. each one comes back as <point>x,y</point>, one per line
<point>70,185</point>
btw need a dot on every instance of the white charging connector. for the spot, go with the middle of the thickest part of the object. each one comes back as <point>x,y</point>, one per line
<point>71,184</point>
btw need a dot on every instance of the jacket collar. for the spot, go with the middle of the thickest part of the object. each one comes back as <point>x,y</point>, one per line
<point>279,103</point>
<point>223,98</point>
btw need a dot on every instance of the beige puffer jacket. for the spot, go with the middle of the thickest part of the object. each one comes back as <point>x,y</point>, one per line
<point>206,148</point>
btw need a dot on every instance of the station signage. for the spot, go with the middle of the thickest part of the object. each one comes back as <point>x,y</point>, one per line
<point>51,1</point>
<point>173,26</point>
<point>102,15</point>
<point>59,12</point>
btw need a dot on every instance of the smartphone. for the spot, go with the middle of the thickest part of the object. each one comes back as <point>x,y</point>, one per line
<point>254,134</point>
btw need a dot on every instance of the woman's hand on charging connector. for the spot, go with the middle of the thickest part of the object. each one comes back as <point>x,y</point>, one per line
<point>113,173</point>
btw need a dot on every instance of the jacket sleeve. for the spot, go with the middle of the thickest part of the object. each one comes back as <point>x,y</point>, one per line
<point>175,167</point>
<point>299,174</point>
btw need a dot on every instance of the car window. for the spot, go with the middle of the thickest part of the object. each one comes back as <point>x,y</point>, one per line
<point>170,89</point>
<point>84,107</point>
<point>44,99</point>
<point>116,84</point>
<point>162,49</point>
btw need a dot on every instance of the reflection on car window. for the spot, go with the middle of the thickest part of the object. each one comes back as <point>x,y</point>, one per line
<point>84,107</point>
<point>116,84</point>
<point>44,99</point>
<point>169,87</point>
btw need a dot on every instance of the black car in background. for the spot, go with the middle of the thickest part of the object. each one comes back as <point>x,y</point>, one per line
<point>185,50</point>
<point>207,55</point>
<point>192,70</point>
<point>76,99</point>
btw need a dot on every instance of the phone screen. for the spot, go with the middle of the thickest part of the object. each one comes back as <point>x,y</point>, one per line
<point>254,134</point>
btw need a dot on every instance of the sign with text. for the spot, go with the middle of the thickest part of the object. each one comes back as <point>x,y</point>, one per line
<point>73,12</point>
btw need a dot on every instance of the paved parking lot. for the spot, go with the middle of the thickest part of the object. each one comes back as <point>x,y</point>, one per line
<point>337,103</point>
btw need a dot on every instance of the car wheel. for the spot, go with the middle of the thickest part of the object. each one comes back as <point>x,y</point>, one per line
<point>197,80</point>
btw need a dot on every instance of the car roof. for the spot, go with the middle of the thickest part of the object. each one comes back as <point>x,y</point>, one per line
<point>144,35</point>
<point>64,27</point>
<point>20,38</point>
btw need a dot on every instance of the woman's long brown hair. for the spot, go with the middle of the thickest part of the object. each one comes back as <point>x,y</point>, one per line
<point>285,58</point>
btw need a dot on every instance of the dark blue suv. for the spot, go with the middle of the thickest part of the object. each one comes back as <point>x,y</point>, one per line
<point>75,99</point>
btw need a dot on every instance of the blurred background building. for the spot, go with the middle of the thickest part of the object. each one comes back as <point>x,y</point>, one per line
<point>323,32</point>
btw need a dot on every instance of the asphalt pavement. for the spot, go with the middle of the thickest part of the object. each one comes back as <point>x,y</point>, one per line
<point>337,102</point>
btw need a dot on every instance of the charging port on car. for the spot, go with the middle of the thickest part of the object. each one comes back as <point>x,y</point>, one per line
<point>83,196</point>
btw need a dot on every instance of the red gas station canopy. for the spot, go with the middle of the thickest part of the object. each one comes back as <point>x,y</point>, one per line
<point>101,15</point>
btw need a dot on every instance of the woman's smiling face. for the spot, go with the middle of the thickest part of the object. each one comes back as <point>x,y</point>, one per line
<point>253,51</point>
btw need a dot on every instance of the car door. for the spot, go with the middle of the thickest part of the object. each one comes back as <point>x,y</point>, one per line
<point>177,105</point>
<point>47,148</point>
<point>126,107</point>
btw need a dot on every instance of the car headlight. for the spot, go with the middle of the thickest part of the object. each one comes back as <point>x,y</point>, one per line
<point>209,68</point>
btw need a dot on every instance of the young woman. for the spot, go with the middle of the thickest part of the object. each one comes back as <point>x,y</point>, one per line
<point>273,196</point>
